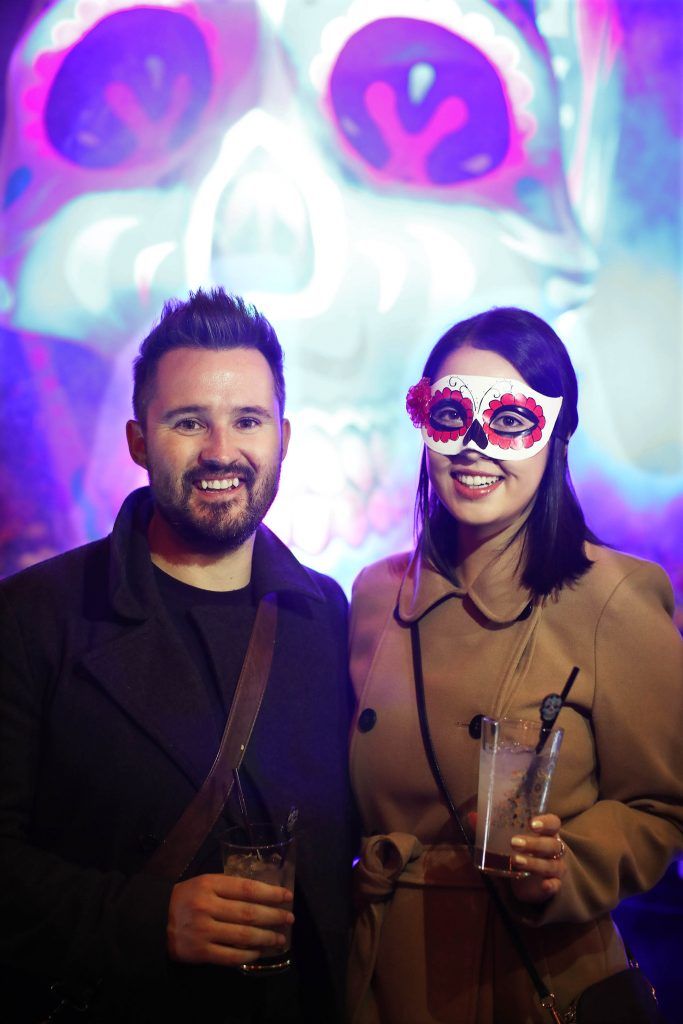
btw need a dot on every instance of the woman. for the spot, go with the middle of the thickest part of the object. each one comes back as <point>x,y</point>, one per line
<point>510,590</point>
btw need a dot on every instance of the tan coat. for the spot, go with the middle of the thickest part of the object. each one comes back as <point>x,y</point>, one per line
<point>428,947</point>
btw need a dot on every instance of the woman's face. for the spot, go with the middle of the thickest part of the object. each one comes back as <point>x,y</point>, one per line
<point>484,494</point>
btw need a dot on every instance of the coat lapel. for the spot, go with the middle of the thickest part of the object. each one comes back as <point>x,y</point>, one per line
<point>152,679</point>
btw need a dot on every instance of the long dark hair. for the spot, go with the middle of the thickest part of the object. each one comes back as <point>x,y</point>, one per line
<point>553,552</point>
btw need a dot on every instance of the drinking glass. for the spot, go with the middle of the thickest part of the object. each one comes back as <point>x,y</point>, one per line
<point>266,853</point>
<point>514,783</point>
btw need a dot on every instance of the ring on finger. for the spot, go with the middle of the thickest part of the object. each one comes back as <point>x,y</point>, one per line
<point>562,850</point>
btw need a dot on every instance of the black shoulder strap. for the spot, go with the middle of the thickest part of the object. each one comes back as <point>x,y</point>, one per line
<point>172,858</point>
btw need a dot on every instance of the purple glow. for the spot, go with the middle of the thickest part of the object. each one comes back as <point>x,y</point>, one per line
<point>459,129</point>
<point>140,77</point>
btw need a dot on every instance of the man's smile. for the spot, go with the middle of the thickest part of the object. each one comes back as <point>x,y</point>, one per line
<point>222,484</point>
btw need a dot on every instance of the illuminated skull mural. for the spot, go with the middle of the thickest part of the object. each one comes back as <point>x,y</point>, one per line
<point>366,173</point>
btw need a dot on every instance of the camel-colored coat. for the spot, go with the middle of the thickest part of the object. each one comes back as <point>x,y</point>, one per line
<point>428,947</point>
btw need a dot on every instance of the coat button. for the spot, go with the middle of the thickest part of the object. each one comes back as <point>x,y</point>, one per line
<point>475,727</point>
<point>525,612</point>
<point>367,719</point>
<point>148,842</point>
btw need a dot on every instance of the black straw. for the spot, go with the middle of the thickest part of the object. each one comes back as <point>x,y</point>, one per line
<point>551,707</point>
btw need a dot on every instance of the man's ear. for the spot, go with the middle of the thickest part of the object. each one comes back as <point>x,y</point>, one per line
<point>286,434</point>
<point>136,443</point>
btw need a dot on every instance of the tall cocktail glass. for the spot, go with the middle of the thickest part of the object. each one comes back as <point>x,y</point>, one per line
<point>514,783</point>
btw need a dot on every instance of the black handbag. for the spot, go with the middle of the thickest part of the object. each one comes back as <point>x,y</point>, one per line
<point>623,998</point>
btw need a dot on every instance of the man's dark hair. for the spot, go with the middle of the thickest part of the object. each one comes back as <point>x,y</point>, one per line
<point>555,532</point>
<point>213,320</point>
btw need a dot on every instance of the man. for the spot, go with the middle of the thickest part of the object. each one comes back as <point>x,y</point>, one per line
<point>120,660</point>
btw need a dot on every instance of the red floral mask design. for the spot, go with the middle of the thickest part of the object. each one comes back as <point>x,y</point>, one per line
<point>502,418</point>
<point>417,401</point>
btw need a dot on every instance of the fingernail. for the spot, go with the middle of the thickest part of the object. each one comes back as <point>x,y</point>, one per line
<point>519,859</point>
<point>537,823</point>
<point>517,841</point>
<point>290,918</point>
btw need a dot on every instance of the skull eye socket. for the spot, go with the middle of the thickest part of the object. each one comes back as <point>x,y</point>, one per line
<point>449,414</point>
<point>138,77</point>
<point>416,104</point>
<point>513,421</point>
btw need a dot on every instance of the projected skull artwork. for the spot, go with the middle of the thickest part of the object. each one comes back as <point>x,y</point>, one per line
<point>366,174</point>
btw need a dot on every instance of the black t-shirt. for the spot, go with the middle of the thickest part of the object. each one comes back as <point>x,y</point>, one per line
<point>215,627</point>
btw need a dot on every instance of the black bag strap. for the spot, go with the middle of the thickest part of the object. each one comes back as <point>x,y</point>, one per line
<point>174,855</point>
<point>545,996</point>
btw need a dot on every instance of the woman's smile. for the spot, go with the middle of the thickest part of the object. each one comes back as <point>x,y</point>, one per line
<point>475,484</point>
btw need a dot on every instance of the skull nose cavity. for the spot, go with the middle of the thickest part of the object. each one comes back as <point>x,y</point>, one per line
<point>262,238</point>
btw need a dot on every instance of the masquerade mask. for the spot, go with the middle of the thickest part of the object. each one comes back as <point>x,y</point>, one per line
<point>502,418</point>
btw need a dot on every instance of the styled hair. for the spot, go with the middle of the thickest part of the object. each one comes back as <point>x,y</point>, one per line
<point>213,320</point>
<point>553,552</point>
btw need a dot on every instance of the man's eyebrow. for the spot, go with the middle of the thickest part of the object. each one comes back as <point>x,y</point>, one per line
<point>253,410</point>
<point>184,410</point>
<point>205,410</point>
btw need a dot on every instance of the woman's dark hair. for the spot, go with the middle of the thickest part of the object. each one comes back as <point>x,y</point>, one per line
<point>555,531</point>
<point>213,320</point>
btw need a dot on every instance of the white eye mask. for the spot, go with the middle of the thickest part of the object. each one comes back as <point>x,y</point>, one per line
<point>498,416</point>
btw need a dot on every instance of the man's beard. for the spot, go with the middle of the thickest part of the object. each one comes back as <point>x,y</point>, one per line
<point>215,526</point>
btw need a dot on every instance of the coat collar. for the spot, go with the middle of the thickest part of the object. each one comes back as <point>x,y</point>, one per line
<point>133,590</point>
<point>275,569</point>
<point>496,589</point>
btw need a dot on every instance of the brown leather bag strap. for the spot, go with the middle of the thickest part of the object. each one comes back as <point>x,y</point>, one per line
<point>172,858</point>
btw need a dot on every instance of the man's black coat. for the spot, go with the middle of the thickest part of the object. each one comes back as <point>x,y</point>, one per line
<point>96,764</point>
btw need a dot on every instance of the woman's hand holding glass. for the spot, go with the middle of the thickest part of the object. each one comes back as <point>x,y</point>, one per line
<point>541,855</point>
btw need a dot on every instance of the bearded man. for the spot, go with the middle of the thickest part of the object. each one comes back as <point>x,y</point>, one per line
<point>121,660</point>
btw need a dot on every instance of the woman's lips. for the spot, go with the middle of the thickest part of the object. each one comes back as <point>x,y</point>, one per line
<point>475,485</point>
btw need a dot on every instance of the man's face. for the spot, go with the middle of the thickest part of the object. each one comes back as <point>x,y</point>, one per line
<point>212,443</point>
